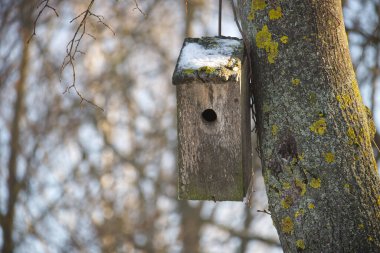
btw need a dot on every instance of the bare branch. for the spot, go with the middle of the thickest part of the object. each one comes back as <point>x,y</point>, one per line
<point>72,48</point>
<point>138,8</point>
<point>91,36</point>
<point>100,20</point>
<point>81,97</point>
<point>79,15</point>
<point>46,5</point>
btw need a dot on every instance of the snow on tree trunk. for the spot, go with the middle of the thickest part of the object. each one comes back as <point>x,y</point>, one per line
<point>315,144</point>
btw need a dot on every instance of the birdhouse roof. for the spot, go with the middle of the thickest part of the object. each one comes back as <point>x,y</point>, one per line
<point>209,59</point>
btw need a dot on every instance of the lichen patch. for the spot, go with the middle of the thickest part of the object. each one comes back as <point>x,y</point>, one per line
<point>264,41</point>
<point>296,81</point>
<point>275,13</point>
<point>344,101</point>
<point>300,244</point>
<point>287,225</point>
<point>286,186</point>
<point>299,213</point>
<point>315,183</point>
<point>256,5</point>
<point>329,157</point>
<point>284,39</point>
<point>274,130</point>
<point>319,127</point>
<point>301,186</point>
<point>286,202</point>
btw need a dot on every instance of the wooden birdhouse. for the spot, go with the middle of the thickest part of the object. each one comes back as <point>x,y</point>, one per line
<point>214,133</point>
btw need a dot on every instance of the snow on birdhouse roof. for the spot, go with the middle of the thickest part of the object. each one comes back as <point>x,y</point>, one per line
<point>211,59</point>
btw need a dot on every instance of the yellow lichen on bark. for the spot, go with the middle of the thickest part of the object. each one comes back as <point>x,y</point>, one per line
<point>301,186</point>
<point>315,183</point>
<point>319,127</point>
<point>300,244</point>
<point>353,137</point>
<point>284,39</point>
<point>256,5</point>
<point>329,157</point>
<point>344,101</point>
<point>296,81</point>
<point>287,225</point>
<point>287,202</point>
<point>299,212</point>
<point>264,41</point>
<point>263,37</point>
<point>272,51</point>
<point>286,185</point>
<point>275,13</point>
<point>274,130</point>
<point>371,122</point>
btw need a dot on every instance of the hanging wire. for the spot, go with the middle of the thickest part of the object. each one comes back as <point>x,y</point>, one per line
<point>220,19</point>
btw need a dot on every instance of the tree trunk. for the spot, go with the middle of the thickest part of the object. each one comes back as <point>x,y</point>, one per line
<point>13,184</point>
<point>314,134</point>
<point>191,225</point>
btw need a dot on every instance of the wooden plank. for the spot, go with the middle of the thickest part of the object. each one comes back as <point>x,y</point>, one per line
<point>210,153</point>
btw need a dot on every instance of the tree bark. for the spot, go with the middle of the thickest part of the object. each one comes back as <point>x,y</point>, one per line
<point>314,134</point>
<point>191,225</point>
<point>14,185</point>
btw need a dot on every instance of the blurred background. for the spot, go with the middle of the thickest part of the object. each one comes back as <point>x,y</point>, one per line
<point>78,178</point>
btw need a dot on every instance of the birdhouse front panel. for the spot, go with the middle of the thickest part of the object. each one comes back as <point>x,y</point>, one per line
<point>212,113</point>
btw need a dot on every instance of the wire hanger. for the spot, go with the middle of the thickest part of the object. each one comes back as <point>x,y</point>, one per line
<point>220,19</point>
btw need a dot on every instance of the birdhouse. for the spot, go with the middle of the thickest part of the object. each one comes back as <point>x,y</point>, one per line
<point>214,133</point>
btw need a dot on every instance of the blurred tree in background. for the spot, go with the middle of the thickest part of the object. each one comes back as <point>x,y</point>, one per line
<point>74,178</point>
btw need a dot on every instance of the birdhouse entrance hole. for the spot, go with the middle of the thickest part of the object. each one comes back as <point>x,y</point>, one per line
<point>209,115</point>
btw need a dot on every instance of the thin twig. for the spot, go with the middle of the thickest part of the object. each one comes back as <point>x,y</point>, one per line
<point>91,36</point>
<point>264,211</point>
<point>79,15</point>
<point>81,97</point>
<point>100,20</point>
<point>46,5</point>
<point>139,9</point>
<point>72,48</point>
